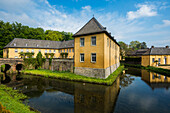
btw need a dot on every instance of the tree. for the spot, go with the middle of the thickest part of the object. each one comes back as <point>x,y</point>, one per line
<point>135,45</point>
<point>123,48</point>
<point>40,60</point>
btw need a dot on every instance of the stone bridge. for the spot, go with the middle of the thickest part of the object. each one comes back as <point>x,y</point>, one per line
<point>11,64</point>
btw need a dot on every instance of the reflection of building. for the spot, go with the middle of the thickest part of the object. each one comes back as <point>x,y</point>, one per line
<point>95,98</point>
<point>88,98</point>
<point>155,80</point>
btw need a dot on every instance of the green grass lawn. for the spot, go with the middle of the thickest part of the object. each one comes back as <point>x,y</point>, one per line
<point>11,99</point>
<point>74,77</point>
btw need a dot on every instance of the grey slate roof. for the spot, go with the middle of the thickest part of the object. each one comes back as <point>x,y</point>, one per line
<point>158,51</point>
<point>93,27</point>
<point>33,43</point>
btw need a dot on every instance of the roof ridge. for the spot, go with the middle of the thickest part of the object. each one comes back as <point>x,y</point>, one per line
<point>97,23</point>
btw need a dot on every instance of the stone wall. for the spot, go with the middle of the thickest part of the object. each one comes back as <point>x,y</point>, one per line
<point>97,73</point>
<point>59,65</point>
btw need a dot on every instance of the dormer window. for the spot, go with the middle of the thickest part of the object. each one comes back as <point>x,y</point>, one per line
<point>47,45</point>
<point>37,45</point>
<point>26,44</point>
<point>14,44</point>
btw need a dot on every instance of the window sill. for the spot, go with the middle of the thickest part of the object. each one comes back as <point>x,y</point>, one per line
<point>93,62</point>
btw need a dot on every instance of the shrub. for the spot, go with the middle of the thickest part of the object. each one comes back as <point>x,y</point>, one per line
<point>3,109</point>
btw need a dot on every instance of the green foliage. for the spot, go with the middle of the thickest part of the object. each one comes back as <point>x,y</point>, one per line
<point>3,109</point>
<point>2,68</point>
<point>49,54</point>
<point>50,61</point>
<point>16,30</point>
<point>128,49</point>
<point>22,54</point>
<point>64,55</point>
<point>11,99</point>
<point>40,60</point>
<point>74,77</point>
<point>30,63</point>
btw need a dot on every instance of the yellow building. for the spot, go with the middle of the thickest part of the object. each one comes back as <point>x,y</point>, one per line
<point>18,45</point>
<point>156,56</point>
<point>96,51</point>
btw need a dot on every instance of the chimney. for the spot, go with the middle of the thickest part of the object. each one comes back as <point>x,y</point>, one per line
<point>167,46</point>
<point>110,33</point>
<point>104,28</point>
<point>152,46</point>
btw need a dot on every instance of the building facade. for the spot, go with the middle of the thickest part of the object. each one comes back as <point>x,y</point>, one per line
<point>156,56</point>
<point>96,51</point>
<point>18,45</point>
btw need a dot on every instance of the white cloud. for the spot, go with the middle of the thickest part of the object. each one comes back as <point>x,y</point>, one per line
<point>41,13</point>
<point>88,8</point>
<point>144,10</point>
<point>166,23</point>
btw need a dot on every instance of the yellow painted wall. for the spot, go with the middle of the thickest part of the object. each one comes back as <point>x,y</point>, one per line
<point>5,53</point>
<point>88,49</point>
<point>13,54</point>
<point>105,54</point>
<point>147,60</point>
<point>111,52</point>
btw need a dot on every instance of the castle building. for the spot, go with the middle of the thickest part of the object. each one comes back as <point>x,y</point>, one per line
<point>96,53</point>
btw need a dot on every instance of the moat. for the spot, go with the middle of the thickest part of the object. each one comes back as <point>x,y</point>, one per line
<point>135,91</point>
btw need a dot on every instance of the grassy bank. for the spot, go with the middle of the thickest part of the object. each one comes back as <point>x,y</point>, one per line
<point>11,100</point>
<point>74,77</point>
<point>150,68</point>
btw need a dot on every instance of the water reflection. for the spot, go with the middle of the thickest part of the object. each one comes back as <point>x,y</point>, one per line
<point>51,95</point>
<point>155,80</point>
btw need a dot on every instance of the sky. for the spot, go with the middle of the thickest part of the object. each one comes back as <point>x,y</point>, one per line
<point>128,20</point>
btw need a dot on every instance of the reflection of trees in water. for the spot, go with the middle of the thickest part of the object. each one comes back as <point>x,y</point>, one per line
<point>125,80</point>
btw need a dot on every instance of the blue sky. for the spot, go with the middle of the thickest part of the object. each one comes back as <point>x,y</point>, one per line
<point>127,20</point>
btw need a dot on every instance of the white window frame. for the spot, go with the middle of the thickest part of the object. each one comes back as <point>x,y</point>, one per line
<point>64,50</point>
<point>91,57</point>
<point>159,60</point>
<point>14,44</point>
<point>83,42</point>
<point>16,50</point>
<point>45,51</point>
<point>27,50</point>
<point>80,57</point>
<point>26,44</point>
<point>54,51</point>
<point>37,45</point>
<point>73,50</point>
<point>153,60</point>
<point>70,50</point>
<point>22,50</point>
<point>16,57</point>
<point>32,51</point>
<point>92,41</point>
<point>50,51</point>
<point>39,50</point>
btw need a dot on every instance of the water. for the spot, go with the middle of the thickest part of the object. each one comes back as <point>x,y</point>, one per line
<point>136,91</point>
